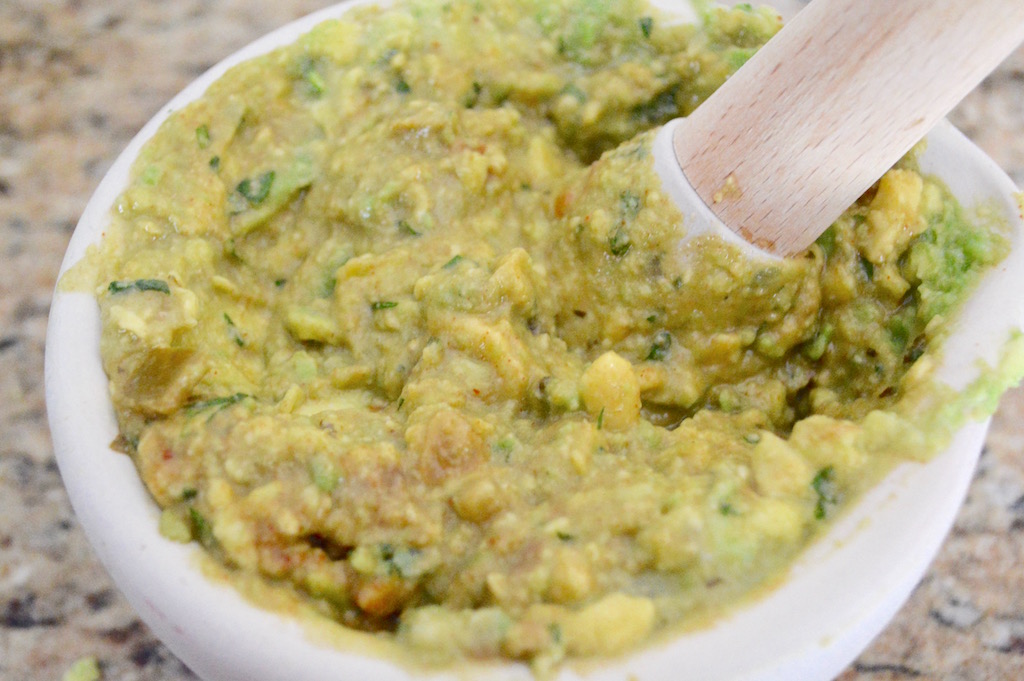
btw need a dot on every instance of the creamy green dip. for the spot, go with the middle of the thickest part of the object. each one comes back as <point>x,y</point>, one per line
<point>396,319</point>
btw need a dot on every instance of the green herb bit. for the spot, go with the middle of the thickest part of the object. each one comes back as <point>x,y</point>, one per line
<point>313,78</point>
<point>825,487</point>
<point>453,262</point>
<point>189,493</point>
<point>727,509</point>
<point>158,285</point>
<point>600,419</point>
<point>472,98</point>
<point>660,347</point>
<point>406,228</point>
<point>215,163</point>
<point>201,530</point>
<point>564,536</point>
<point>151,175</point>
<point>383,305</point>
<point>280,282</point>
<point>330,283</point>
<point>646,24</point>
<point>229,248</point>
<point>402,87</point>
<point>629,203</point>
<point>218,402</point>
<point>504,445</point>
<point>256,190</point>
<point>203,136</point>
<point>619,242</point>
<point>752,438</point>
<point>233,331</point>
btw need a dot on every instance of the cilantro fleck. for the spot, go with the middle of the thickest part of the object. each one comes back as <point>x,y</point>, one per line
<point>151,175</point>
<point>256,190</point>
<point>201,530</point>
<point>311,76</point>
<point>405,227</point>
<point>472,97</point>
<point>280,282</point>
<point>215,163</point>
<point>727,509</point>
<point>629,207</point>
<point>629,204</point>
<point>660,346</point>
<point>646,24</point>
<point>383,305</point>
<point>825,487</point>
<point>600,419</point>
<point>189,493</point>
<point>203,136</point>
<point>233,331</point>
<point>157,285</point>
<point>402,87</point>
<point>619,242</point>
<point>453,262</point>
<point>504,445</point>
<point>217,402</point>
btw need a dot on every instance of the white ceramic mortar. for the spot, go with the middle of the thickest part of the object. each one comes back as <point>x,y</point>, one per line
<point>839,595</point>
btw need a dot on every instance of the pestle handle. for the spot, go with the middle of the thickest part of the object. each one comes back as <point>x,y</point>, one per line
<point>830,103</point>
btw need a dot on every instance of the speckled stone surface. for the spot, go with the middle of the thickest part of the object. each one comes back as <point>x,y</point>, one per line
<point>78,78</point>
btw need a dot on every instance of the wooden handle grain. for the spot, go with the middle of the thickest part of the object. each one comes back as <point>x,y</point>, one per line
<point>838,96</point>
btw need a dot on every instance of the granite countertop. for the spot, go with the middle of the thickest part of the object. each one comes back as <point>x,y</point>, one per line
<point>78,78</point>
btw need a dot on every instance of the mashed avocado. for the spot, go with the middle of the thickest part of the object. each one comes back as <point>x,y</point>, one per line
<point>396,318</point>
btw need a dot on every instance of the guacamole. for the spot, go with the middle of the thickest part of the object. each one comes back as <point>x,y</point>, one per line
<point>397,320</point>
